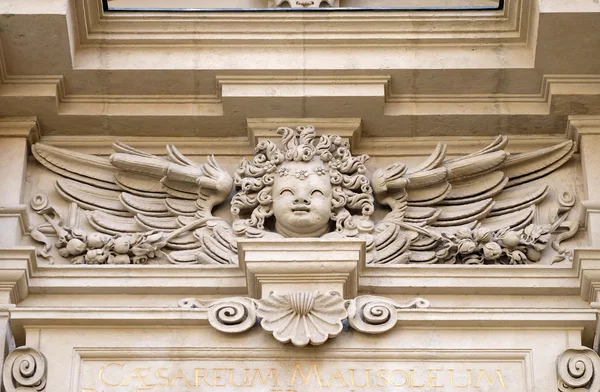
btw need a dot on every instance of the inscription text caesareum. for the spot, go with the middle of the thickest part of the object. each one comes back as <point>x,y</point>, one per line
<point>297,377</point>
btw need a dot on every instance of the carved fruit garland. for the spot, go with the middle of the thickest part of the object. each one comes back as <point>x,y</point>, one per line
<point>303,318</point>
<point>444,210</point>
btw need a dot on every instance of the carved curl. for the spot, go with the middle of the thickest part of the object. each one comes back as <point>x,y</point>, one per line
<point>371,314</point>
<point>230,315</point>
<point>577,370</point>
<point>25,370</point>
<point>351,187</point>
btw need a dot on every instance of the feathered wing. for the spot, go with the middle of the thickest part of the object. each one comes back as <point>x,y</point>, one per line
<point>135,192</point>
<point>442,196</point>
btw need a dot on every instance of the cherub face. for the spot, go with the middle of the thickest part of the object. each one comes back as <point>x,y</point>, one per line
<point>302,199</point>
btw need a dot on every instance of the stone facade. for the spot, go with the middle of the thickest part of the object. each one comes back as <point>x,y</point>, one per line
<point>300,200</point>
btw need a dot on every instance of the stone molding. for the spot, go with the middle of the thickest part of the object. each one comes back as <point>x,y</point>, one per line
<point>15,273</point>
<point>19,211</point>
<point>554,97</point>
<point>25,370</point>
<point>578,369</point>
<point>20,127</point>
<point>509,26</point>
<point>303,318</point>
<point>239,146</point>
<point>577,278</point>
<point>265,128</point>
<point>305,263</point>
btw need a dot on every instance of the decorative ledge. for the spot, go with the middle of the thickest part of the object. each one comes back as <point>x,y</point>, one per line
<point>571,279</point>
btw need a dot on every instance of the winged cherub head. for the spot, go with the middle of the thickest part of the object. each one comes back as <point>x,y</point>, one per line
<point>304,185</point>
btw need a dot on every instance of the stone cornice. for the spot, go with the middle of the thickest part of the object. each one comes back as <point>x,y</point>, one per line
<point>20,127</point>
<point>578,278</point>
<point>464,318</point>
<point>242,146</point>
<point>354,94</point>
<point>15,269</point>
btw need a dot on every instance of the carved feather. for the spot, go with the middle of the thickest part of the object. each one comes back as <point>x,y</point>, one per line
<point>92,198</point>
<point>144,205</point>
<point>476,164</point>
<point>434,160</point>
<point>538,163</point>
<point>176,156</point>
<point>473,186</point>
<point>89,169</point>
<point>140,185</point>
<point>112,224</point>
<point>498,144</point>
<point>515,220</point>
<point>429,195</point>
<point>426,178</point>
<point>513,201</point>
<point>460,215</point>
<point>181,207</point>
<point>157,223</point>
<point>124,148</point>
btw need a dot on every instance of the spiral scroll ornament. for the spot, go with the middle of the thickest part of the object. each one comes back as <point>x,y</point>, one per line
<point>25,370</point>
<point>230,315</point>
<point>303,318</point>
<point>577,370</point>
<point>371,314</point>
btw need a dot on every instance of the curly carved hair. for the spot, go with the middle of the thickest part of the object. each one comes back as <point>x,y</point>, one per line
<point>351,189</point>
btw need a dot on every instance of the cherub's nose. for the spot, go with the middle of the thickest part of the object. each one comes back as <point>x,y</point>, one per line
<point>301,200</point>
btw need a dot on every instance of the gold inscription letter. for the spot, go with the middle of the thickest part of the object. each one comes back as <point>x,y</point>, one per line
<point>306,379</point>
<point>433,378</point>
<point>412,380</point>
<point>162,377</point>
<point>263,381</point>
<point>498,375</point>
<point>231,371</point>
<point>136,374</point>
<point>392,378</point>
<point>337,376</point>
<point>367,377</point>
<point>217,377</point>
<point>180,376</point>
<point>382,375</point>
<point>101,375</point>
<point>451,371</point>
<point>201,377</point>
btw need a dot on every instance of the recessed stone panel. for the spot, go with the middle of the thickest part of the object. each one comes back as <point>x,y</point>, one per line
<point>299,371</point>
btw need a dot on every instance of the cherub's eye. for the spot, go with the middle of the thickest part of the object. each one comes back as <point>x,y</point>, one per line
<point>317,192</point>
<point>286,191</point>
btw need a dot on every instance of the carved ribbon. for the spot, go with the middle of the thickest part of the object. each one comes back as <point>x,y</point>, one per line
<point>577,370</point>
<point>25,370</point>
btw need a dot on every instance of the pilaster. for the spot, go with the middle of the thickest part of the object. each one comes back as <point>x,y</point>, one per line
<point>16,134</point>
<point>587,132</point>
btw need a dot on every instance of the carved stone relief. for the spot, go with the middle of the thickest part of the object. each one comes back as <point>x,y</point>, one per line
<point>25,370</point>
<point>303,318</point>
<point>305,3</point>
<point>475,209</point>
<point>578,370</point>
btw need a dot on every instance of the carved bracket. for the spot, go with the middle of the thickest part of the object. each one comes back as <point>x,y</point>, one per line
<point>25,370</point>
<point>303,317</point>
<point>578,370</point>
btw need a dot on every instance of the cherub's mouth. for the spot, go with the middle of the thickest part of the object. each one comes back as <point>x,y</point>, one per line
<point>300,209</point>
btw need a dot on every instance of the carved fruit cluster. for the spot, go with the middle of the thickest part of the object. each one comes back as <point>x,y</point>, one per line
<point>506,246</point>
<point>98,248</point>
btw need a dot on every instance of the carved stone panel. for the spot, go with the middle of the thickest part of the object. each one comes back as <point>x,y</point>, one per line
<point>475,209</point>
